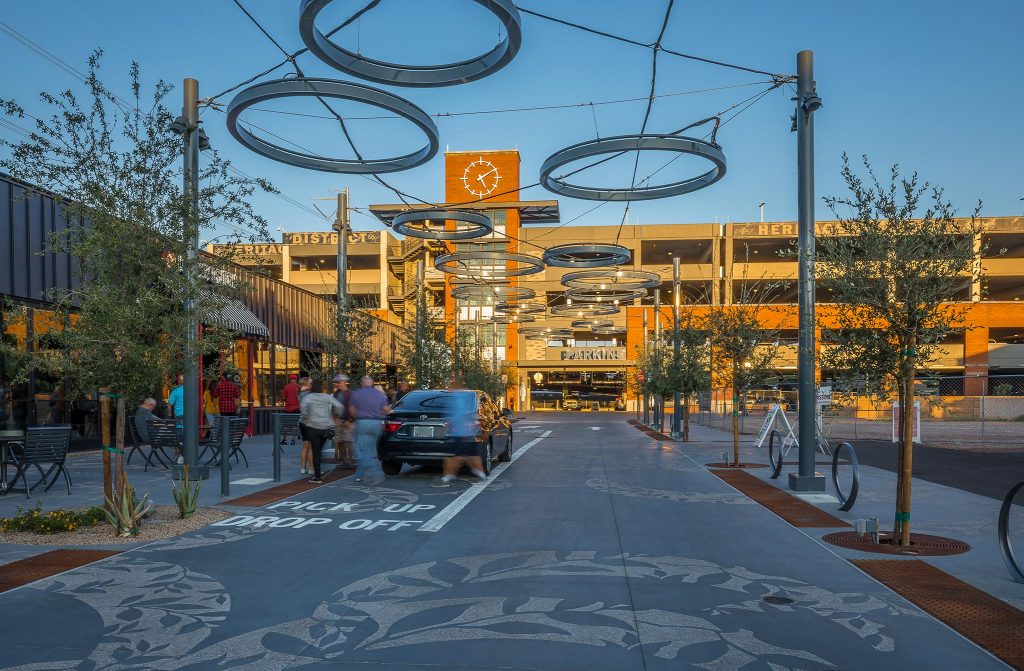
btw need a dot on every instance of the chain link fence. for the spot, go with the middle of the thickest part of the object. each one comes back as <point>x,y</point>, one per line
<point>956,411</point>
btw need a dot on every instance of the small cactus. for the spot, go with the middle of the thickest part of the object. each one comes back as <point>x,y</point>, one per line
<point>124,514</point>
<point>186,496</point>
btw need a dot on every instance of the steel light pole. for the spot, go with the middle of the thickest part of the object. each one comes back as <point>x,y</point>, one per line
<point>659,400</point>
<point>643,396</point>
<point>341,225</point>
<point>676,294</point>
<point>807,102</point>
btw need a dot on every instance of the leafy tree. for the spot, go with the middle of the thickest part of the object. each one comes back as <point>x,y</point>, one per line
<point>895,262</point>
<point>689,368</point>
<point>116,169</point>
<point>428,355</point>
<point>654,362</point>
<point>352,351</point>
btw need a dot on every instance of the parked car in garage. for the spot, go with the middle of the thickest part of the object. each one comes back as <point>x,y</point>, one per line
<point>429,425</point>
<point>571,403</point>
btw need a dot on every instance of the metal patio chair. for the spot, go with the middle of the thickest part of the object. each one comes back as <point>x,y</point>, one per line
<point>43,445</point>
<point>238,425</point>
<point>143,448</point>
<point>163,439</point>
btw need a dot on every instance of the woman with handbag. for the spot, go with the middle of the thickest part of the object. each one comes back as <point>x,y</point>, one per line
<point>318,413</point>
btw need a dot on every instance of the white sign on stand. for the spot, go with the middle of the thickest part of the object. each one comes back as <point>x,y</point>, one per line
<point>775,414</point>
<point>915,417</point>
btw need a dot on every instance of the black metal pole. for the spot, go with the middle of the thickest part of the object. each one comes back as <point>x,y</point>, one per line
<point>676,346</point>
<point>225,452</point>
<point>807,103</point>
<point>659,400</point>
<point>647,405</point>
<point>190,420</point>
<point>277,447</point>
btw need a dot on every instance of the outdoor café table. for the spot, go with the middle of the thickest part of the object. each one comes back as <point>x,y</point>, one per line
<point>7,437</point>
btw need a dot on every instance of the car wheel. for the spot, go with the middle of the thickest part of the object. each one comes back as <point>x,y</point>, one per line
<point>391,466</point>
<point>486,454</point>
<point>506,454</point>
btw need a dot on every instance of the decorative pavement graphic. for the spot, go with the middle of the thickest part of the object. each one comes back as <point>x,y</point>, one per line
<point>616,561</point>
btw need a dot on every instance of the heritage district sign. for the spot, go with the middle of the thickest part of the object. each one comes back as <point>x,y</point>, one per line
<point>592,353</point>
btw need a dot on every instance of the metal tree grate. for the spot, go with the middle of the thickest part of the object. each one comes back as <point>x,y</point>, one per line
<point>921,545</point>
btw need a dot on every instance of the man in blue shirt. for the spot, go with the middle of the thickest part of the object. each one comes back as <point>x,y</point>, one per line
<point>368,407</point>
<point>176,401</point>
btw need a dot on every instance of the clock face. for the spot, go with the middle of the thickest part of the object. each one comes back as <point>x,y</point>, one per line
<point>480,177</point>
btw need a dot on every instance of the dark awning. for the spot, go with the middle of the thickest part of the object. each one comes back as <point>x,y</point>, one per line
<point>237,317</point>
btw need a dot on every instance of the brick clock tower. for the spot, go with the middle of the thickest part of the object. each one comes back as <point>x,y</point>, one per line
<point>484,177</point>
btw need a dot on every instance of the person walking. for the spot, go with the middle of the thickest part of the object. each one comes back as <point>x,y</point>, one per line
<point>305,453</point>
<point>343,435</point>
<point>227,393</point>
<point>290,393</point>
<point>318,413</point>
<point>176,402</point>
<point>368,407</point>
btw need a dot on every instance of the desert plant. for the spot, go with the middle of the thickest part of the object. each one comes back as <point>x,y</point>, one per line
<point>53,522</point>
<point>185,495</point>
<point>124,514</point>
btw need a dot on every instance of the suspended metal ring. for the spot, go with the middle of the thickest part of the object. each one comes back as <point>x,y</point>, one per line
<point>591,324</point>
<point>604,295</point>
<point>554,334</point>
<point>584,310</point>
<point>500,318</point>
<point>461,264</point>
<point>609,330</point>
<point>546,330</point>
<point>616,279</point>
<point>331,88</point>
<point>520,308</point>
<point>593,255</point>
<point>625,143</point>
<point>499,293</point>
<point>396,74</point>
<point>433,224</point>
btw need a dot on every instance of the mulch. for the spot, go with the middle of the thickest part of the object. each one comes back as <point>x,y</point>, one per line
<point>795,511</point>
<point>991,623</point>
<point>47,564</point>
<point>288,489</point>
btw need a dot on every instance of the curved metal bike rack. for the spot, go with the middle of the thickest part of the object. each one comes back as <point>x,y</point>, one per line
<point>625,143</point>
<point>846,500</point>
<point>1012,565</point>
<point>331,88</point>
<point>587,255</point>
<point>448,74</point>
<point>433,224</point>
<point>776,466</point>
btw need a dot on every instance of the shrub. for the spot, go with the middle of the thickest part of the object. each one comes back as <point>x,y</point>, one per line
<point>53,522</point>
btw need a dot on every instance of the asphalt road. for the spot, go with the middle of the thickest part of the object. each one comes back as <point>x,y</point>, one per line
<point>597,548</point>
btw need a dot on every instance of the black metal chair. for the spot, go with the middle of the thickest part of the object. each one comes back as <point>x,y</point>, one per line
<point>238,426</point>
<point>142,447</point>
<point>44,445</point>
<point>163,438</point>
<point>211,442</point>
<point>290,426</point>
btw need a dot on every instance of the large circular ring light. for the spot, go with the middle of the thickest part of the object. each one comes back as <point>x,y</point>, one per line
<point>611,279</point>
<point>396,74</point>
<point>520,308</point>
<point>604,295</point>
<point>331,88</point>
<point>433,224</point>
<point>489,264</point>
<point>584,310</point>
<point>592,255</point>
<point>626,143</point>
<point>499,318</point>
<point>591,324</point>
<point>609,330</point>
<point>492,293</point>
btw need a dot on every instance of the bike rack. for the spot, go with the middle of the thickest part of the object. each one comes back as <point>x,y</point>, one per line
<point>847,501</point>
<point>1012,565</point>
<point>776,465</point>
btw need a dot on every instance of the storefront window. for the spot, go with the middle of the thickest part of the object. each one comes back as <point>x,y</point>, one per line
<point>263,372</point>
<point>286,362</point>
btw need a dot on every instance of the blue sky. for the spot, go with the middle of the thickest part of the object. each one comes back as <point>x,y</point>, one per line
<point>937,86</point>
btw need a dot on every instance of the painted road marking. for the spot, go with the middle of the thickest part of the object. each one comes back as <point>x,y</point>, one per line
<point>595,428</point>
<point>251,481</point>
<point>452,509</point>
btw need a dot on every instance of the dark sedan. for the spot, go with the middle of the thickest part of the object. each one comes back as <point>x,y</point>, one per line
<point>430,425</point>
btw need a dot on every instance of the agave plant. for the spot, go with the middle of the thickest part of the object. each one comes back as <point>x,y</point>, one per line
<point>185,495</point>
<point>124,514</point>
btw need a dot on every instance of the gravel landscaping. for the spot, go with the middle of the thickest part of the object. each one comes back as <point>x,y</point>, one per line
<point>162,523</point>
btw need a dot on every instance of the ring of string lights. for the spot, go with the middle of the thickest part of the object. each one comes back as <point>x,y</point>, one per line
<point>433,224</point>
<point>520,308</point>
<point>609,330</point>
<point>331,88</point>
<point>627,143</point>
<point>616,279</point>
<point>499,318</point>
<point>604,295</point>
<point>589,255</point>
<point>395,74</point>
<point>492,293</point>
<point>460,264</point>
<point>591,324</point>
<point>584,310</point>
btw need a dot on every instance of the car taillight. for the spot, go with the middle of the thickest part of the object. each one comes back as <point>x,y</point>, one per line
<point>391,426</point>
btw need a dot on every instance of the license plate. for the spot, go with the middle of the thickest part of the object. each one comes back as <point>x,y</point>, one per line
<point>422,432</point>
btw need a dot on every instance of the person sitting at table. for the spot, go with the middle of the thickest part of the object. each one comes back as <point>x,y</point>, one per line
<point>142,413</point>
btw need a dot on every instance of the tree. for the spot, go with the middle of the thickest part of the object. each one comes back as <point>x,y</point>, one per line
<point>743,348</point>
<point>115,168</point>
<point>689,369</point>
<point>654,363</point>
<point>350,351</point>
<point>893,266</point>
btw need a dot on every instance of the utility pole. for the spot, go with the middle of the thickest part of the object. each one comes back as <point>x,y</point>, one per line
<point>807,102</point>
<point>659,400</point>
<point>341,225</point>
<point>676,294</point>
<point>421,310</point>
<point>190,424</point>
